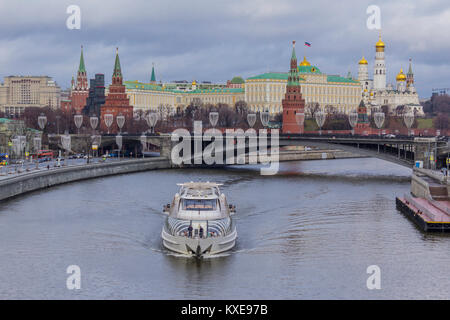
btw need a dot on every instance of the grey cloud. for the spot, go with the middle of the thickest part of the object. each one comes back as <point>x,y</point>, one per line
<point>216,40</point>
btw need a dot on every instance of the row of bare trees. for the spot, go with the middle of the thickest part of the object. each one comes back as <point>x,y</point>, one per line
<point>168,118</point>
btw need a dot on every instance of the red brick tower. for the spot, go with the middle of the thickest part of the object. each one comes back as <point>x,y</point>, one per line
<point>363,123</point>
<point>293,102</point>
<point>80,91</point>
<point>117,101</point>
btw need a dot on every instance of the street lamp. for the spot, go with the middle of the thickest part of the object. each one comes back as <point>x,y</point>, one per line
<point>94,122</point>
<point>151,119</point>
<point>96,142</point>
<point>143,143</point>
<point>264,117</point>
<point>119,144</point>
<point>379,120</point>
<point>251,119</point>
<point>408,118</point>
<point>23,143</point>
<point>320,120</point>
<point>213,118</point>
<point>37,143</point>
<point>120,119</point>
<point>353,120</point>
<point>108,118</point>
<point>78,119</point>
<point>42,121</point>
<point>15,149</point>
<point>66,144</point>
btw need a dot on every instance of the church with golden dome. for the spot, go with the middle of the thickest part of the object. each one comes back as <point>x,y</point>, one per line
<point>377,93</point>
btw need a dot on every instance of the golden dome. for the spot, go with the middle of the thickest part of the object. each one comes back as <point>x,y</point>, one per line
<point>401,76</point>
<point>363,61</point>
<point>194,83</point>
<point>305,62</point>
<point>379,45</point>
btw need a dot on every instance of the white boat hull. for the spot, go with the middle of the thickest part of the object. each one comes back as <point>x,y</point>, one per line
<point>199,247</point>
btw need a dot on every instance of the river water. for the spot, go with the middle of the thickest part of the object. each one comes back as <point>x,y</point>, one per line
<point>309,232</point>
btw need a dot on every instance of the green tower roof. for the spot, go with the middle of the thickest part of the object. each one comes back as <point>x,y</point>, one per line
<point>153,78</point>
<point>293,52</point>
<point>81,68</point>
<point>410,72</point>
<point>117,69</point>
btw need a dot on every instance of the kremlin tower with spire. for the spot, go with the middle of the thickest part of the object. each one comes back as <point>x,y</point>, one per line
<point>293,102</point>
<point>153,77</point>
<point>117,101</point>
<point>80,90</point>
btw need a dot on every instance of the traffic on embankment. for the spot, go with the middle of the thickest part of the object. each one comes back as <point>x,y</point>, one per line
<point>11,186</point>
<point>14,183</point>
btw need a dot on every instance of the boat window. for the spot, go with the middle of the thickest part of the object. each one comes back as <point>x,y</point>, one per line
<point>199,204</point>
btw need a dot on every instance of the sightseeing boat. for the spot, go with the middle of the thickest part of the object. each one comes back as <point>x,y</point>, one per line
<point>199,221</point>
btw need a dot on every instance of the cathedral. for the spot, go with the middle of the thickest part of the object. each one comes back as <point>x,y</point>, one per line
<point>376,93</point>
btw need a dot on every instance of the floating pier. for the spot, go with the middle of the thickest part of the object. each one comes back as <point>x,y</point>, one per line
<point>429,203</point>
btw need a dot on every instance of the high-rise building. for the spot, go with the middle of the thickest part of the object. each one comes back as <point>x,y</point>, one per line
<point>20,92</point>
<point>96,96</point>
<point>293,102</point>
<point>117,101</point>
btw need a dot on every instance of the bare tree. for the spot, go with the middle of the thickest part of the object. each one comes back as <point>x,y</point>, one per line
<point>312,108</point>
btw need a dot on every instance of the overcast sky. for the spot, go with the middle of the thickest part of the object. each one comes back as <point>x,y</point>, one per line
<point>217,39</point>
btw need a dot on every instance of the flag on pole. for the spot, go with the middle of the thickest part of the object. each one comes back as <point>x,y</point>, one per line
<point>307,44</point>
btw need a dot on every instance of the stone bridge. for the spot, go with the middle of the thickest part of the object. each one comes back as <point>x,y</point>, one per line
<point>404,151</point>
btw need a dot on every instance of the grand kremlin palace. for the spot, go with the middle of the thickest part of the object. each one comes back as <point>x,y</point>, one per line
<point>145,96</point>
<point>261,92</point>
<point>265,91</point>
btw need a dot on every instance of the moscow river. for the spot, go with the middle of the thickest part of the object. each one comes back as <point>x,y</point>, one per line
<point>309,232</point>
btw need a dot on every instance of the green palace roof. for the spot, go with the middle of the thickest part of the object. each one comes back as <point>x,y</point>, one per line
<point>142,86</point>
<point>217,90</point>
<point>270,75</point>
<point>340,79</point>
<point>308,69</point>
<point>148,86</point>
<point>302,69</point>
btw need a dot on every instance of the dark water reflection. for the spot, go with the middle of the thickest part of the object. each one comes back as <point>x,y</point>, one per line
<point>309,232</point>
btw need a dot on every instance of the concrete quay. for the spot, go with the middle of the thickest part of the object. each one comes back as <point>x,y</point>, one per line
<point>294,155</point>
<point>28,181</point>
<point>39,179</point>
